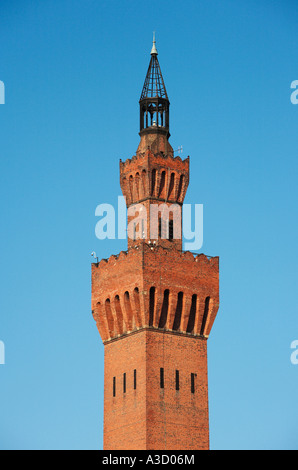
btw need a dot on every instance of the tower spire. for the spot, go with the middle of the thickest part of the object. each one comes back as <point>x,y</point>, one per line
<point>154,86</point>
<point>154,105</point>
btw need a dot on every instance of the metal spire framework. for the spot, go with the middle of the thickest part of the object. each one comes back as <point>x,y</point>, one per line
<point>154,102</point>
<point>154,86</point>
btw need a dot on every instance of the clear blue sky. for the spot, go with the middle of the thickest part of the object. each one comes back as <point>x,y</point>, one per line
<point>73,72</point>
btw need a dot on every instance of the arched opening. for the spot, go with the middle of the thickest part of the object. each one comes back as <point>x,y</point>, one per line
<point>131,188</point>
<point>153,181</point>
<point>164,309</point>
<point>128,309</point>
<point>171,230</point>
<point>181,184</point>
<point>119,314</point>
<point>205,316</point>
<point>192,314</point>
<point>144,185</point>
<point>171,186</point>
<point>162,184</point>
<point>137,305</point>
<point>151,305</point>
<point>109,316</point>
<point>178,312</point>
<point>137,186</point>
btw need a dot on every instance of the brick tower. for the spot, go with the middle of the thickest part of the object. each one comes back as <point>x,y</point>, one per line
<point>154,304</point>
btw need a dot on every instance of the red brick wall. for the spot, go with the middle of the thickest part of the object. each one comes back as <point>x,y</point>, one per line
<point>150,417</point>
<point>125,414</point>
<point>177,420</point>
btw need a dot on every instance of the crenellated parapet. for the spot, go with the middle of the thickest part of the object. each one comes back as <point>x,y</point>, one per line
<point>151,287</point>
<point>154,176</point>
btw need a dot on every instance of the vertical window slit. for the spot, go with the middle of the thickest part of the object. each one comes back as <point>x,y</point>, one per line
<point>135,379</point>
<point>151,305</point>
<point>162,184</point>
<point>177,380</point>
<point>160,227</point>
<point>162,378</point>
<point>171,187</point>
<point>119,314</point>
<point>124,382</point>
<point>144,182</point>
<point>171,230</point>
<point>136,297</point>
<point>178,313</point>
<point>137,186</point>
<point>153,181</point>
<point>164,309</point>
<point>128,307</point>
<point>193,383</point>
<point>192,315</point>
<point>109,316</point>
<point>182,177</point>
<point>114,386</point>
<point>131,188</point>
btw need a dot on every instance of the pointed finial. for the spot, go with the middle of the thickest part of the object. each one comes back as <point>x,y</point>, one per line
<point>154,50</point>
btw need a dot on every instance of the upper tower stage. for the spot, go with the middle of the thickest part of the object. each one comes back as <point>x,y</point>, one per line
<point>155,284</point>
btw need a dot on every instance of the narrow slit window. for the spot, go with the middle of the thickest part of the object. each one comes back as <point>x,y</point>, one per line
<point>159,227</point>
<point>171,230</point>
<point>135,379</point>
<point>164,309</point>
<point>153,181</point>
<point>177,380</point>
<point>114,386</point>
<point>178,312</point>
<point>151,305</point>
<point>162,184</point>
<point>162,378</point>
<point>124,383</point>
<point>193,383</point>
<point>192,315</point>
